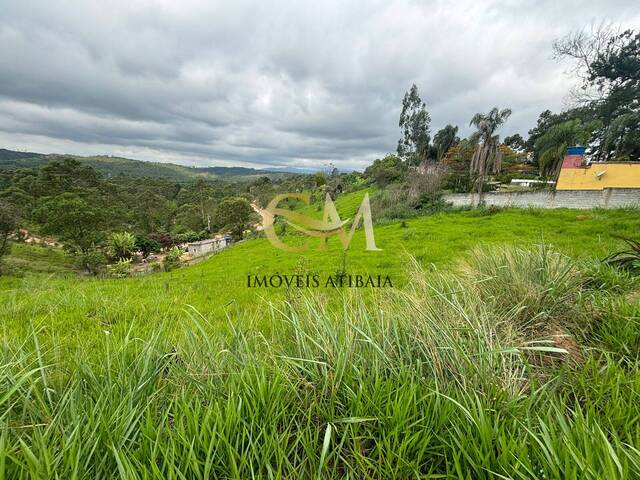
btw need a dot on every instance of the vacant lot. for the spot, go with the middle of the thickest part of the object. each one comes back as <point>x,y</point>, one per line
<point>506,350</point>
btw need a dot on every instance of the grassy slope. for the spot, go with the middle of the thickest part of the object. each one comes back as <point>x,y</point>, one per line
<point>423,382</point>
<point>35,258</point>
<point>79,308</point>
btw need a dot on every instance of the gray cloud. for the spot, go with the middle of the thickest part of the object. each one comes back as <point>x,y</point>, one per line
<point>266,83</point>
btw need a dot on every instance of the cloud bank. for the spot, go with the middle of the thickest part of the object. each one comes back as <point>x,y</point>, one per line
<point>283,83</point>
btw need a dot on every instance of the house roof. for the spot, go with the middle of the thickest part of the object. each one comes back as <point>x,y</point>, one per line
<point>203,242</point>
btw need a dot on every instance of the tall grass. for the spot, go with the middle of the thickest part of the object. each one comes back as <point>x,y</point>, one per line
<point>439,380</point>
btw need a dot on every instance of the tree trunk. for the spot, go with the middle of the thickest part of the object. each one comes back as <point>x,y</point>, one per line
<point>480,190</point>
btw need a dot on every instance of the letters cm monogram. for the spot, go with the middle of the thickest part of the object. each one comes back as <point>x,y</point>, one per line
<point>329,226</point>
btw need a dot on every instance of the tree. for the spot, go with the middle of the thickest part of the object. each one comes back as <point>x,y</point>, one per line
<point>122,245</point>
<point>608,64</point>
<point>71,219</point>
<point>8,225</point>
<point>584,47</point>
<point>444,140</point>
<point>414,124</point>
<point>457,160</point>
<point>234,215</point>
<point>550,148</point>
<point>66,175</point>
<point>487,158</point>
<point>548,120</point>
<point>616,71</point>
<point>147,245</point>
<point>515,141</point>
<point>387,170</point>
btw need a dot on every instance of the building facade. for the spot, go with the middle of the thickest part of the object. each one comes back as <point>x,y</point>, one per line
<point>577,175</point>
<point>210,245</point>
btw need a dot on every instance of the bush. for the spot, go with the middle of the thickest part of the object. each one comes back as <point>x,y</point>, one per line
<point>120,269</point>
<point>164,239</point>
<point>172,260</point>
<point>629,258</point>
<point>395,202</point>
<point>122,245</point>
<point>539,289</point>
<point>92,261</point>
<point>147,245</point>
<point>386,171</point>
<point>431,204</point>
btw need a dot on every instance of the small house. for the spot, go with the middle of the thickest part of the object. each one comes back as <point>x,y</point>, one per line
<point>203,247</point>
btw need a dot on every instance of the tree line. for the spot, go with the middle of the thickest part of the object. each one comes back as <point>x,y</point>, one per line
<point>605,117</point>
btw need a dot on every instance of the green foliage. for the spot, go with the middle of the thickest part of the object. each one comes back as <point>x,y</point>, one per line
<point>621,139</point>
<point>385,171</point>
<point>607,62</point>
<point>8,225</point>
<point>92,261</point>
<point>629,258</point>
<point>551,147</point>
<point>189,236</point>
<point>72,219</point>
<point>515,141</point>
<point>172,260</point>
<point>234,215</point>
<point>120,269</point>
<point>444,139</point>
<point>146,245</point>
<point>122,245</point>
<point>414,123</point>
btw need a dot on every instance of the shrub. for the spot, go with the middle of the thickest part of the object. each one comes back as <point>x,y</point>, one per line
<point>540,289</point>
<point>186,237</point>
<point>386,171</point>
<point>122,245</point>
<point>92,261</point>
<point>147,245</point>
<point>428,203</point>
<point>120,269</point>
<point>629,258</point>
<point>164,239</point>
<point>172,260</point>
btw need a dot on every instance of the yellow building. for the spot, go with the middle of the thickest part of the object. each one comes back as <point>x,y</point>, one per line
<point>577,175</point>
<point>598,176</point>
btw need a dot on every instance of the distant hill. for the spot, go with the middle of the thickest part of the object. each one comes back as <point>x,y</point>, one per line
<point>9,155</point>
<point>113,166</point>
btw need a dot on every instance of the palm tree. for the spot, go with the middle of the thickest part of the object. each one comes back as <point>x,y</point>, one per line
<point>487,158</point>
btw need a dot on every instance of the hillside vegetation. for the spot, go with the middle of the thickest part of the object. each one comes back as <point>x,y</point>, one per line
<point>521,363</point>
<point>72,307</point>
<point>113,166</point>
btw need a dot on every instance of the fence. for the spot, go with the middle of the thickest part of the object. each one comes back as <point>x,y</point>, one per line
<point>584,199</point>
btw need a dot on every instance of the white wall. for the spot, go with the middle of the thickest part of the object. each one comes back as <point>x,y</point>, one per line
<point>584,199</point>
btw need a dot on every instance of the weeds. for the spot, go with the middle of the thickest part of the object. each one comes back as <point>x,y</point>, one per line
<point>434,381</point>
<point>628,259</point>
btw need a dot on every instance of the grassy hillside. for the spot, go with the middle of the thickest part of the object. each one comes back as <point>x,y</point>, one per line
<point>80,308</point>
<point>113,166</point>
<point>504,350</point>
<point>35,258</point>
<point>518,365</point>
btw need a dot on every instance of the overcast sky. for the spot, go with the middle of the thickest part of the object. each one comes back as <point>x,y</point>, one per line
<point>273,83</point>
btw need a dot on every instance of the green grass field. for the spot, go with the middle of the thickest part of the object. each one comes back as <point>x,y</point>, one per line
<point>72,307</point>
<point>505,350</point>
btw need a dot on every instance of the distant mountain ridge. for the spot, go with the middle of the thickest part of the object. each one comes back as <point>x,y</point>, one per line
<point>113,166</point>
